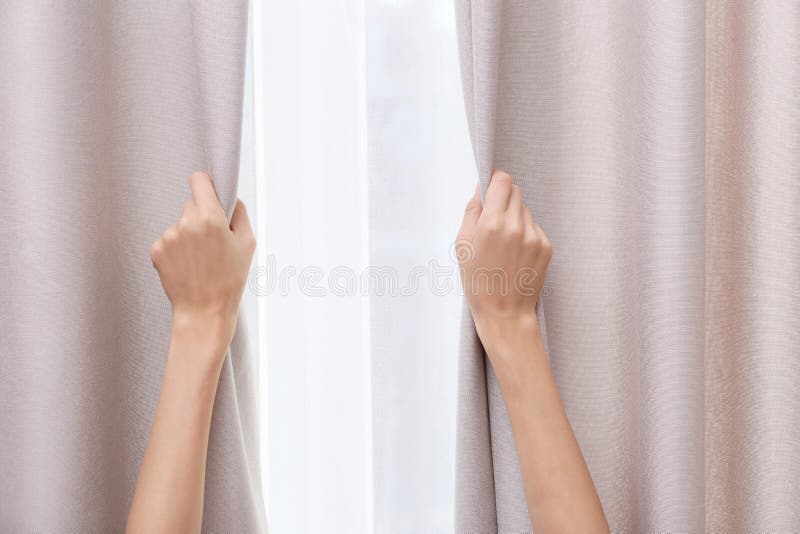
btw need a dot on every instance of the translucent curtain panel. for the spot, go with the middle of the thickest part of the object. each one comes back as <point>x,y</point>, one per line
<point>365,170</point>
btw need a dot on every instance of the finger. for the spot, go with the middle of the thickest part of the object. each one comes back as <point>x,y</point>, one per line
<point>528,219</point>
<point>170,235</point>
<point>203,191</point>
<point>539,232</point>
<point>240,222</point>
<point>515,206</point>
<point>471,215</point>
<point>544,241</point>
<point>156,252</point>
<point>188,206</point>
<point>530,226</point>
<point>498,193</point>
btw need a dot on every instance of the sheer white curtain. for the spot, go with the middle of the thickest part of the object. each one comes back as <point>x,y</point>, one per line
<point>356,165</point>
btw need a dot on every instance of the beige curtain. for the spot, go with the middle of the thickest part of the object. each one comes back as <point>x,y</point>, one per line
<point>105,109</point>
<point>658,144</point>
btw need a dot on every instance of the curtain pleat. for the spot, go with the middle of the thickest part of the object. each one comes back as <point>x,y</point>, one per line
<point>753,266</point>
<point>105,110</point>
<point>656,143</point>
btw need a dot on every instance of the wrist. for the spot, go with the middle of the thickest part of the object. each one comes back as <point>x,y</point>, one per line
<point>501,331</point>
<point>209,334</point>
<point>510,342</point>
<point>195,359</point>
<point>211,323</point>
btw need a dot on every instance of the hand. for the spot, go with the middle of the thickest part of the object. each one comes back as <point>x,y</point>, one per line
<point>503,257</point>
<point>203,262</point>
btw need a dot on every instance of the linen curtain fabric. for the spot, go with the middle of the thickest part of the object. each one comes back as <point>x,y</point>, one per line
<point>105,110</point>
<point>658,145</point>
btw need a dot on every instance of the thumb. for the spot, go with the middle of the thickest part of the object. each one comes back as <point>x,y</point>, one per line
<point>240,223</point>
<point>471,215</point>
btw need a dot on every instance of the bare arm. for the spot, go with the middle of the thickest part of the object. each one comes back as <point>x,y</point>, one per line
<point>203,264</point>
<point>501,236</point>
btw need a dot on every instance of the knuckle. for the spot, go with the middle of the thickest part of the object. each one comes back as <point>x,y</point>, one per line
<point>170,235</point>
<point>156,250</point>
<point>208,220</point>
<point>514,232</point>
<point>530,240</point>
<point>548,252</point>
<point>494,226</point>
<point>502,177</point>
<point>250,242</point>
<point>199,175</point>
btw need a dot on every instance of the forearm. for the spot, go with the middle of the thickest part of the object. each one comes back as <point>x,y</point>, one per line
<point>559,489</point>
<point>170,488</point>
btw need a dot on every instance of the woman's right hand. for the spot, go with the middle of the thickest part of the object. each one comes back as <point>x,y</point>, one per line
<point>503,256</point>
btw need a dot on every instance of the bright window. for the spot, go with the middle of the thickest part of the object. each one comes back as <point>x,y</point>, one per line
<point>356,165</point>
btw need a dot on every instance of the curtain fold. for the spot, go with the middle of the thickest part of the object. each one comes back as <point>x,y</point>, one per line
<point>753,266</point>
<point>105,110</point>
<point>656,143</point>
